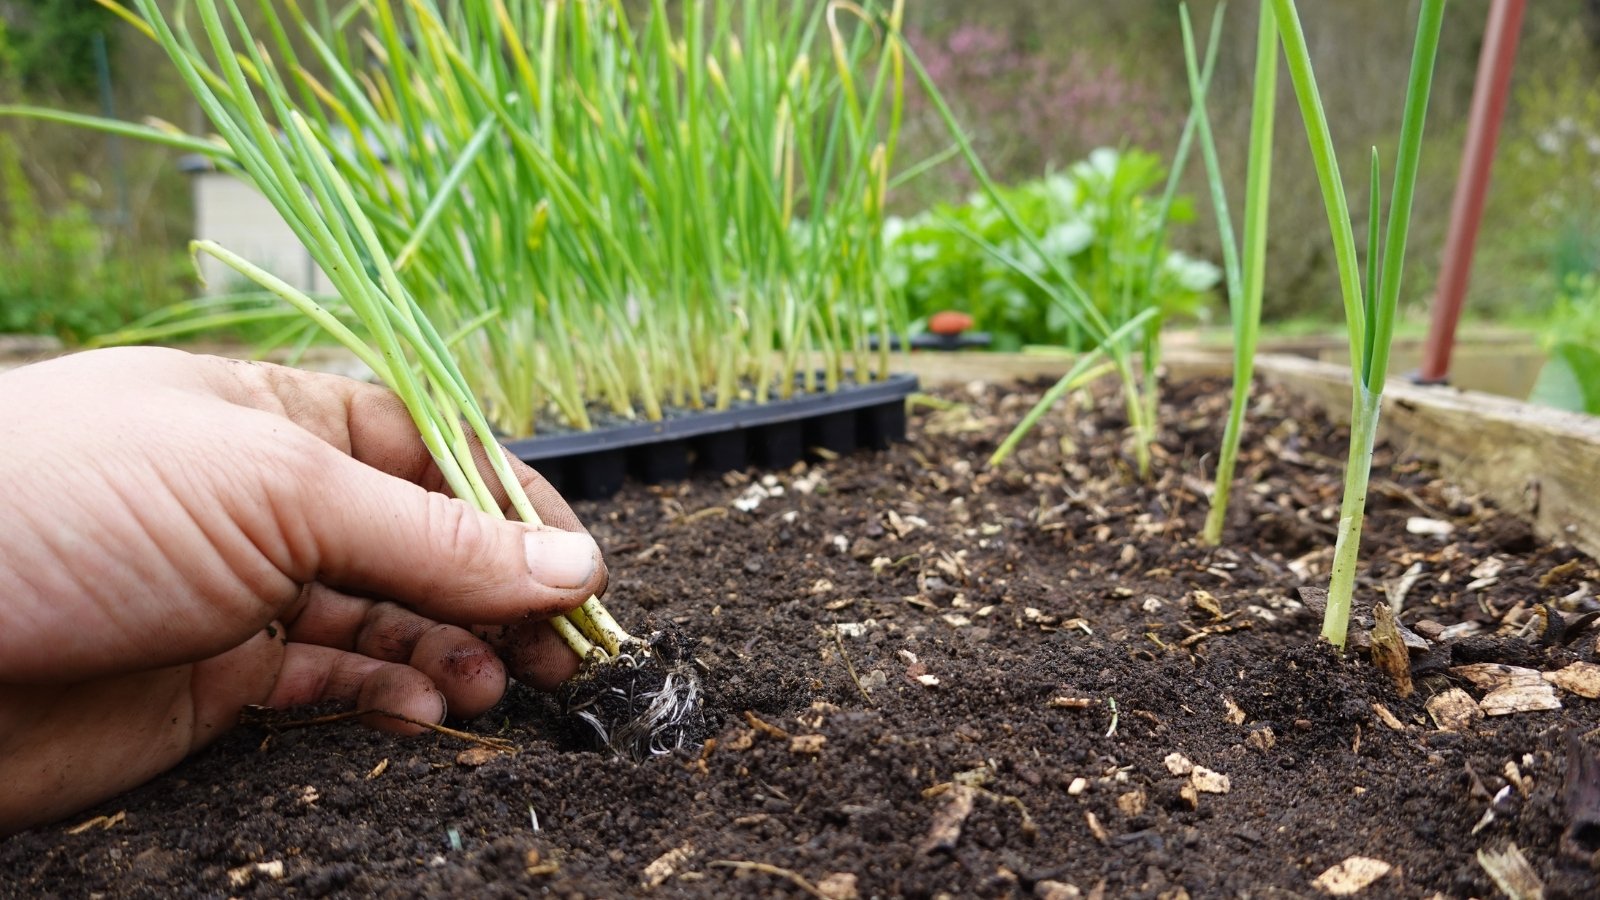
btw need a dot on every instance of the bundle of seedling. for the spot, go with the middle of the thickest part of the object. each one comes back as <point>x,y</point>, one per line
<point>539,213</point>
<point>394,311</point>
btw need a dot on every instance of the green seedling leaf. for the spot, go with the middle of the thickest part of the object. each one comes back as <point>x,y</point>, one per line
<point>1246,270</point>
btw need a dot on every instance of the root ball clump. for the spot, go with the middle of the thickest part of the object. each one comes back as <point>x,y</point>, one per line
<point>645,702</point>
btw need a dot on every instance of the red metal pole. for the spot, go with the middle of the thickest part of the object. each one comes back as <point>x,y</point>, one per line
<point>1477,159</point>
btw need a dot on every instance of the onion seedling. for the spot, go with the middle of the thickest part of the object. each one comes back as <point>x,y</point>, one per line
<point>1370,308</point>
<point>1246,272</point>
<point>385,326</point>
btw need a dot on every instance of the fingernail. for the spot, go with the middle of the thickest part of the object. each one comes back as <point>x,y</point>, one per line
<point>562,559</point>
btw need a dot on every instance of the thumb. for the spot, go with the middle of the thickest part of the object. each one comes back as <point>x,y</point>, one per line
<point>363,531</point>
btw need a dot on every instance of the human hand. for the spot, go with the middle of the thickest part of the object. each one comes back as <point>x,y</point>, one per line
<point>181,536</point>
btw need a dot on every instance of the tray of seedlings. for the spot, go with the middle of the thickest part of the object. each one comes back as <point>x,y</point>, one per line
<point>710,263</point>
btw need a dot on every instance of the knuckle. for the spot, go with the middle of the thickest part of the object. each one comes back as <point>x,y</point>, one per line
<point>460,531</point>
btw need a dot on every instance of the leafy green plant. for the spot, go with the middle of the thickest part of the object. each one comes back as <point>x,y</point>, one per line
<point>1136,330</point>
<point>1369,307</point>
<point>1247,271</point>
<point>1570,378</point>
<point>1097,221</point>
<point>686,210</point>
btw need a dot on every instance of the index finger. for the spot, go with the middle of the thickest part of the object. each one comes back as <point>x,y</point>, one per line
<point>371,424</point>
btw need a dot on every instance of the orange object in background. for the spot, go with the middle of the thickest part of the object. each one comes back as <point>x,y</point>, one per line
<point>949,322</point>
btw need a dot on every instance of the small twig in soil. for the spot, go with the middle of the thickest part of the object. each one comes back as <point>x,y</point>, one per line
<point>1150,717</point>
<point>104,823</point>
<point>1030,829</point>
<point>792,876</point>
<point>493,743</point>
<point>1398,491</point>
<point>850,667</point>
<point>1174,514</point>
<point>700,514</point>
<point>765,727</point>
<point>1559,573</point>
<point>766,786</point>
<point>1210,630</point>
<point>1095,828</point>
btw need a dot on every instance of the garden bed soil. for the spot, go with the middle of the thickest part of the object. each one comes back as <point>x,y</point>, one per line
<point>927,677</point>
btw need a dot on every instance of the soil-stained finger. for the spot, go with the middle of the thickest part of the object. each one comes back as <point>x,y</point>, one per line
<point>312,674</point>
<point>464,668</point>
<point>533,653</point>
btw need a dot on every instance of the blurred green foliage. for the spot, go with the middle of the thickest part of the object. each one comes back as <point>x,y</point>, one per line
<point>91,235</point>
<point>60,275</point>
<point>1132,46</point>
<point>1571,378</point>
<point>1542,226</point>
<point>1575,317</point>
<point>50,48</point>
<point>1098,220</point>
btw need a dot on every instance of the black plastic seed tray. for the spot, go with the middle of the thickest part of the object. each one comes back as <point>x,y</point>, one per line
<point>945,343</point>
<point>592,465</point>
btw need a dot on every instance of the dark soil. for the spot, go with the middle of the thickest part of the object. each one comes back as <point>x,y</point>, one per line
<point>928,677</point>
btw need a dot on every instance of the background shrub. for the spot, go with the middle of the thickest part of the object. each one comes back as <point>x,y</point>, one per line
<point>1099,220</point>
<point>63,274</point>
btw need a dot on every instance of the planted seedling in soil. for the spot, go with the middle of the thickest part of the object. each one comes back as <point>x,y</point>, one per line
<point>1246,272</point>
<point>1369,313</point>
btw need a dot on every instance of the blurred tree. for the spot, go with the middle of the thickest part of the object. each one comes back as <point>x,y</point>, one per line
<point>50,43</point>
